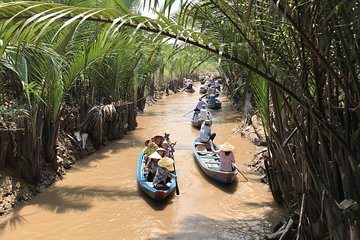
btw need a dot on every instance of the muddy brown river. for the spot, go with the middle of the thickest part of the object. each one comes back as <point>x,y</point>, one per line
<point>99,197</point>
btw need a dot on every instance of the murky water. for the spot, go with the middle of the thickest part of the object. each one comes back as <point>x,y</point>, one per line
<point>99,198</point>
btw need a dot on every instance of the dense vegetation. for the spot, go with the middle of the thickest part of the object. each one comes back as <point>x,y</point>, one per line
<point>296,60</point>
<point>78,77</point>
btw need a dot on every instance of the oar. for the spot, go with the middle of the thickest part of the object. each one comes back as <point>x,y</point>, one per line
<point>239,171</point>
<point>188,113</point>
<point>176,182</point>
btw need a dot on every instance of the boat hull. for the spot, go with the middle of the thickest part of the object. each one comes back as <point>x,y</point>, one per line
<point>210,167</point>
<point>196,124</point>
<point>216,105</point>
<point>147,186</point>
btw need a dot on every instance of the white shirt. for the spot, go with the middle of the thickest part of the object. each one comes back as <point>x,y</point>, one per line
<point>203,114</point>
<point>205,133</point>
<point>200,104</point>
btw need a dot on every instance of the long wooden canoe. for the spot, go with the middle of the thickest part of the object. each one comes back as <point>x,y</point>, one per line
<point>209,164</point>
<point>216,105</point>
<point>203,89</point>
<point>196,123</point>
<point>148,187</point>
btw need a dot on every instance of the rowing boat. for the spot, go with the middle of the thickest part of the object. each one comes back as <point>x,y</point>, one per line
<point>196,122</point>
<point>148,187</point>
<point>214,103</point>
<point>209,164</point>
<point>203,89</point>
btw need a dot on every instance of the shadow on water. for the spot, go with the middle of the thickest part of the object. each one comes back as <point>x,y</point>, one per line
<point>64,199</point>
<point>155,204</point>
<point>203,227</point>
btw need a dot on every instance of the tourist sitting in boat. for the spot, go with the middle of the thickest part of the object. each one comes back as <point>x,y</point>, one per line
<point>152,165</point>
<point>161,151</point>
<point>205,133</point>
<point>150,148</point>
<point>226,155</point>
<point>158,139</point>
<point>163,172</point>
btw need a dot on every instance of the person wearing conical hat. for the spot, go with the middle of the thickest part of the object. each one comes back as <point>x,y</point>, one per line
<point>161,151</point>
<point>152,165</point>
<point>150,148</point>
<point>165,167</point>
<point>226,155</point>
<point>158,139</point>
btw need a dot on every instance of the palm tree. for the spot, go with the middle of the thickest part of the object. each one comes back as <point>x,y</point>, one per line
<point>306,51</point>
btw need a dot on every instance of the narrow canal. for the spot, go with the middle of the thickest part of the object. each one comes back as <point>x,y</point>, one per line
<point>99,197</point>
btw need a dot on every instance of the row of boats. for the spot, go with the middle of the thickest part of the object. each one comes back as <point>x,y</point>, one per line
<point>207,160</point>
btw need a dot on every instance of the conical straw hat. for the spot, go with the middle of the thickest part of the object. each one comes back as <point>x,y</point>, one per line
<point>167,163</point>
<point>226,147</point>
<point>155,155</point>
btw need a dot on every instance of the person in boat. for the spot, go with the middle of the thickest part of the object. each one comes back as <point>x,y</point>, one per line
<point>151,147</point>
<point>227,158</point>
<point>217,85</point>
<point>162,151</point>
<point>169,149</point>
<point>167,136</point>
<point>152,165</point>
<point>205,133</point>
<point>163,172</point>
<point>198,107</point>
<point>212,92</point>
<point>204,113</point>
<point>188,84</point>
<point>158,139</point>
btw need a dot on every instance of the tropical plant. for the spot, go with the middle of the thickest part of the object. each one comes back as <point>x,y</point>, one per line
<point>306,51</point>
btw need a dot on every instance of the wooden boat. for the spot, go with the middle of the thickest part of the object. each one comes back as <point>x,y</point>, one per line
<point>148,187</point>
<point>196,123</point>
<point>203,89</point>
<point>190,90</point>
<point>215,105</point>
<point>209,164</point>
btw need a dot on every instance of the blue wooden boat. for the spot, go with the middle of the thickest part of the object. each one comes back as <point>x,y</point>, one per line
<point>214,103</point>
<point>209,164</point>
<point>147,187</point>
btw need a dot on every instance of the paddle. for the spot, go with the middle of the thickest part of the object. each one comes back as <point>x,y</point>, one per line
<point>239,171</point>
<point>188,113</point>
<point>176,182</point>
